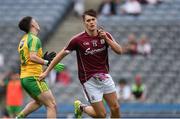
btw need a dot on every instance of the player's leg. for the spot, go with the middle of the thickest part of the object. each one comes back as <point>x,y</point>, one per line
<point>113,104</point>
<point>110,96</point>
<point>93,94</point>
<point>48,100</point>
<point>30,86</point>
<point>95,110</point>
<point>39,91</point>
<point>29,108</point>
<point>45,96</point>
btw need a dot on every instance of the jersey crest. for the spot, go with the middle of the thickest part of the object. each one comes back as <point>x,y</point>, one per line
<point>21,44</point>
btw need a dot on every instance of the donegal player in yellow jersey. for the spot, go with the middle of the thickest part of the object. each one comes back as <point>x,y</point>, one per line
<point>32,61</point>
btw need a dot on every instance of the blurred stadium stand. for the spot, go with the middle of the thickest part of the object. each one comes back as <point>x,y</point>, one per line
<point>160,70</point>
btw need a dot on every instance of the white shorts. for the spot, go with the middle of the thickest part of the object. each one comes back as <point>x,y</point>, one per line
<point>94,88</point>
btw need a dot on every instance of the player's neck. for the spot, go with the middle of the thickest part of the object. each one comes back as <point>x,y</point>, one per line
<point>92,33</point>
<point>33,31</point>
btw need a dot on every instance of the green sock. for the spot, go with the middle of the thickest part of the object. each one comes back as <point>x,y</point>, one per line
<point>21,115</point>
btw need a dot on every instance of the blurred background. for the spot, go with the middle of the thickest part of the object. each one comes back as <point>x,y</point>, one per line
<point>147,77</point>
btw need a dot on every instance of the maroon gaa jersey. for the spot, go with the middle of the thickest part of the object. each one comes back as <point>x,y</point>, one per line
<point>92,54</point>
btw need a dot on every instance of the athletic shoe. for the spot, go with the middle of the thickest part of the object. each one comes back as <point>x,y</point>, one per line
<point>77,110</point>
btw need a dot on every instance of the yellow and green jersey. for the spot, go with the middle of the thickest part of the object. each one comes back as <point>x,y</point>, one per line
<point>29,43</point>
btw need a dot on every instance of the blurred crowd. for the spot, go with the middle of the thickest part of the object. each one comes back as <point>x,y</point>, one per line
<point>116,7</point>
<point>136,92</point>
<point>124,7</point>
<point>141,46</point>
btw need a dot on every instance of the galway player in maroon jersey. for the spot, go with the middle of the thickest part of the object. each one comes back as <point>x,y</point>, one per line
<point>91,47</point>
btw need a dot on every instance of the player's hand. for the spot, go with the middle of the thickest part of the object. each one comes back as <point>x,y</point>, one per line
<point>59,67</point>
<point>102,34</point>
<point>42,76</point>
<point>49,56</point>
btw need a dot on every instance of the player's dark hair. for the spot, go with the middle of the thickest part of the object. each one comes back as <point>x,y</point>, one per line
<point>89,12</point>
<point>25,24</point>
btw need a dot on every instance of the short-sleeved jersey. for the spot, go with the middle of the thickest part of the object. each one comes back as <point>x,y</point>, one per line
<point>29,43</point>
<point>92,55</point>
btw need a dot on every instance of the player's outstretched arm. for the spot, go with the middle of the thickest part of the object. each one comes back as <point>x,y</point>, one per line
<point>54,62</point>
<point>47,58</point>
<point>36,59</point>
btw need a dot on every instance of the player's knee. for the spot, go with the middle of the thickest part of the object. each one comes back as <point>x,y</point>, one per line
<point>114,108</point>
<point>52,105</point>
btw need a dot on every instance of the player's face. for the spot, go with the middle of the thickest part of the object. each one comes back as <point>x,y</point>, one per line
<point>90,23</point>
<point>35,25</point>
